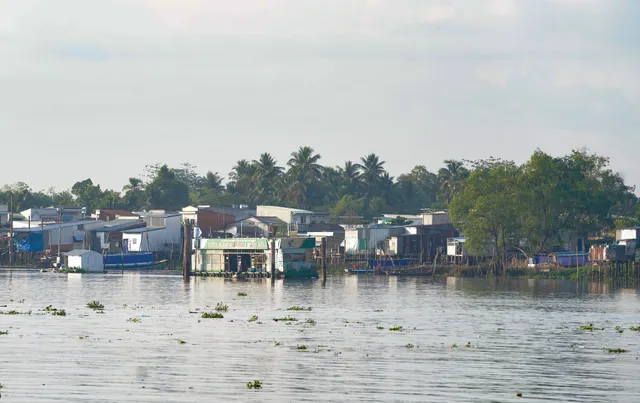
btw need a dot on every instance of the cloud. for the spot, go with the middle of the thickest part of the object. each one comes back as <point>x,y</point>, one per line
<point>416,81</point>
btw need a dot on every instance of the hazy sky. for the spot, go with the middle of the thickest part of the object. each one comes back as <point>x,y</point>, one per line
<point>101,88</point>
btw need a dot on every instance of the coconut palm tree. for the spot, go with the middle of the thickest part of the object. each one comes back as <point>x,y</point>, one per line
<point>213,182</point>
<point>450,179</point>
<point>133,185</point>
<point>267,166</point>
<point>371,169</point>
<point>351,177</point>
<point>303,164</point>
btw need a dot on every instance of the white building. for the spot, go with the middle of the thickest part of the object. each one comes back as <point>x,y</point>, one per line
<point>297,220</point>
<point>4,215</point>
<point>49,214</point>
<point>163,233</point>
<point>84,259</point>
<point>435,217</point>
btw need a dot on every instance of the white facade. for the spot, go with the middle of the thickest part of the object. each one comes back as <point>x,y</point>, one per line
<point>369,239</point>
<point>85,259</point>
<point>4,214</point>
<point>297,220</point>
<point>436,218</point>
<point>164,233</point>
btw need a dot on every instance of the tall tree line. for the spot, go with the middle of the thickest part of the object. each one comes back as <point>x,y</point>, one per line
<point>556,192</point>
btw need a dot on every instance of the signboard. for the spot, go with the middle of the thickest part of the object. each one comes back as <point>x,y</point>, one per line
<point>298,243</point>
<point>234,244</point>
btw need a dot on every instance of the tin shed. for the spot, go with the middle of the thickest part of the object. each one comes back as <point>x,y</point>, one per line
<point>84,259</point>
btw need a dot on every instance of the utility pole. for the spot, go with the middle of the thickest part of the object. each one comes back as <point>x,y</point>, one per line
<point>10,230</point>
<point>324,260</point>
<point>186,252</point>
<point>59,235</point>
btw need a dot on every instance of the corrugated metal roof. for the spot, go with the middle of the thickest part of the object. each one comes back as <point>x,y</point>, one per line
<point>78,252</point>
<point>142,230</point>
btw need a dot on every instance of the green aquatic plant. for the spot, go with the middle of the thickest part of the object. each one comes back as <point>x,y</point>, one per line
<point>635,329</point>
<point>14,312</point>
<point>454,345</point>
<point>82,337</point>
<point>221,307</point>
<point>619,329</point>
<point>254,385</point>
<point>242,294</point>
<point>212,315</point>
<point>277,343</point>
<point>299,308</point>
<point>311,321</point>
<point>100,312</point>
<point>617,350</point>
<point>588,327</point>
<point>4,332</point>
<point>468,345</point>
<point>253,318</point>
<point>60,312</point>
<point>182,342</point>
<point>380,327</point>
<point>378,310</point>
<point>49,308</point>
<point>302,347</point>
<point>409,345</point>
<point>285,319</point>
<point>133,320</point>
<point>396,328</point>
<point>95,305</point>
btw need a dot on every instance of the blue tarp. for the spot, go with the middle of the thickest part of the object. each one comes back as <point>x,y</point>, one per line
<point>29,241</point>
<point>388,263</point>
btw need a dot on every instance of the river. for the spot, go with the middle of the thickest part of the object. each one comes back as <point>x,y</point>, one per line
<point>462,340</point>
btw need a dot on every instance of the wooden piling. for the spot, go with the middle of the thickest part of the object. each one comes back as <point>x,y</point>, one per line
<point>324,258</point>
<point>186,251</point>
<point>273,260</point>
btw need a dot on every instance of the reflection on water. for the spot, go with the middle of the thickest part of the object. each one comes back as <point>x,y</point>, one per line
<point>522,335</point>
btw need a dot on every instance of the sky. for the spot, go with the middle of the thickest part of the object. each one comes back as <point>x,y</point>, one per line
<point>100,88</point>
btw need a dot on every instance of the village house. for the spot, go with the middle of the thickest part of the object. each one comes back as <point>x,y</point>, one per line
<point>162,233</point>
<point>209,221</point>
<point>257,227</point>
<point>297,220</point>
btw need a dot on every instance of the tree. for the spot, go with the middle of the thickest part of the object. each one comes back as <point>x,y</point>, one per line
<point>302,177</point>
<point>450,178</point>
<point>166,192</point>
<point>486,210</point>
<point>87,194</point>
<point>134,194</point>
<point>417,189</point>
<point>371,168</point>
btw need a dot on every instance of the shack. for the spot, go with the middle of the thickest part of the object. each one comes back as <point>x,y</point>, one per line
<point>84,259</point>
<point>234,255</point>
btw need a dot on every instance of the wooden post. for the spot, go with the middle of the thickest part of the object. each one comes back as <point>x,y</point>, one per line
<point>11,230</point>
<point>324,258</point>
<point>273,259</point>
<point>186,253</point>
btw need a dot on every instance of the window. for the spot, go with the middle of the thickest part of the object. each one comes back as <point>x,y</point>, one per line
<point>134,241</point>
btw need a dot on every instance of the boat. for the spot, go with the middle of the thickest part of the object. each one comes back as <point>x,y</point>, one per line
<point>141,260</point>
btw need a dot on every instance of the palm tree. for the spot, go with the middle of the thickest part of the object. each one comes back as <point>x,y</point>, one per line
<point>267,166</point>
<point>350,174</point>
<point>133,185</point>
<point>371,170</point>
<point>450,179</point>
<point>213,182</point>
<point>303,164</point>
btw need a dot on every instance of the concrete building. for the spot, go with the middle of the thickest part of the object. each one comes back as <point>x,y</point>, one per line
<point>257,227</point>
<point>209,221</point>
<point>387,219</point>
<point>4,215</point>
<point>370,241</point>
<point>110,214</point>
<point>297,220</point>
<point>108,237</point>
<point>163,233</point>
<point>435,217</point>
